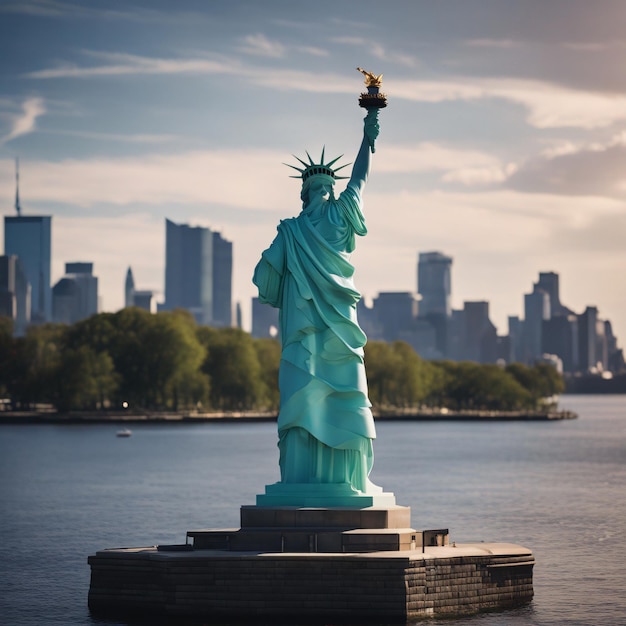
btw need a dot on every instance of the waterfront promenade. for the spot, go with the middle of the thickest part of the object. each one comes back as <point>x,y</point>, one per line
<point>404,414</point>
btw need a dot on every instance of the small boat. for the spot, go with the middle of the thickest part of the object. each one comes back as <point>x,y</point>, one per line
<point>125,432</point>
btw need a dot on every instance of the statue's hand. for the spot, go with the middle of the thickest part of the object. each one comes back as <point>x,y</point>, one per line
<point>372,127</point>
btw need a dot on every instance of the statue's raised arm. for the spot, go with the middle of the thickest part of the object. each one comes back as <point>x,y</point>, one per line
<point>361,168</point>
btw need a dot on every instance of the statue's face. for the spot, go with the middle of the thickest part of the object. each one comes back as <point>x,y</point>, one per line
<point>320,190</point>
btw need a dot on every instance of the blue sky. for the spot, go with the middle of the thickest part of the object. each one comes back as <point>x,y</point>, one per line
<point>503,145</point>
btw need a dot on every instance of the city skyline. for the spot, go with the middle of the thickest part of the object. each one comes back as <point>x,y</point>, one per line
<point>503,143</point>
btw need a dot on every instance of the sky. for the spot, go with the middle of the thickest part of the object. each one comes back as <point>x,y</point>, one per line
<point>503,144</point>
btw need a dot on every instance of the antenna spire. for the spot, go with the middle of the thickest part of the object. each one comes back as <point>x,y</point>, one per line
<point>18,208</point>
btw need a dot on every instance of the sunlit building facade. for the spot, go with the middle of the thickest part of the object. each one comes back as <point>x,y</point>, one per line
<point>198,273</point>
<point>29,238</point>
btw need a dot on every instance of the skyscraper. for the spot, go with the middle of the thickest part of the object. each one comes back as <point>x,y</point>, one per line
<point>536,311</point>
<point>434,287</point>
<point>198,273</point>
<point>129,289</point>
<point>29,238</point>
<point>549,282</point>
<point>434,284</point>
<point>14,293</point>
<point>75,296</point>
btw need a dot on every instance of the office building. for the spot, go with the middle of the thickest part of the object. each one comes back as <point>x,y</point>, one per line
<point>29,238</point>
<point>145,299</point>
<point>129,289</point>
<point>395,312</point>
<point>14,293</point>
<point>536,311</point>
<point>198,273</point>
<point>480,340</point>
<point>75,296</point>
<point>549,282</point>
<point>264,320</point>
<point>434,284</point>
<point>560,338</point>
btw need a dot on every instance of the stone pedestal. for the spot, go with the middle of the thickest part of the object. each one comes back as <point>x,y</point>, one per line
<point>344,564</point>
<point>323,495</point>
<point>296,529</point>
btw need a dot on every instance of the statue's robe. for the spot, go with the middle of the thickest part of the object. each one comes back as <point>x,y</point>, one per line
<point>325,422</point>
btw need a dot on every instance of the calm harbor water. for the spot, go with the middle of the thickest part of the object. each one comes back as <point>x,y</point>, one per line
<point>558,488</point>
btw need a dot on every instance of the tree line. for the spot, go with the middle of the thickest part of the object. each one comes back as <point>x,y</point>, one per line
<point>166,362</point>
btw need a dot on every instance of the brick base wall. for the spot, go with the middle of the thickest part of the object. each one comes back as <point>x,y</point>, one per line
<point>371,587</point>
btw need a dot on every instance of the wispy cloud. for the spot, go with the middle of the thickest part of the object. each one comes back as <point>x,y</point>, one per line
<point>493,43</point>
<point>42,8</point>
<point>119,138</point>
<point>26,121</point>
<point>120,64</point>
<point>59,9</point>
<point>377,50</point>
<point>548,105</point>
<point>198,177</point>
<point>260,45</point>
<point>593,169</point>
<point>313,51</point>
<point>456,165</point>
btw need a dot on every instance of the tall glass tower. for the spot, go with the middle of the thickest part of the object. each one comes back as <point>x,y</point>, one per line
<point>433,284</point>
<point>29,238</point>
<point>198,273</point>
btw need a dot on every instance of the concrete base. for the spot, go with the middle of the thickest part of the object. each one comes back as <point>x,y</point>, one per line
<point>296,564</point>
<point>322,495</point>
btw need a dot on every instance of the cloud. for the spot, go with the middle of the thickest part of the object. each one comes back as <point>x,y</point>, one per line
<point>199,177</point>
<point>45,8</point>
<point>464,166</point>
<point>121,64</point>
<point>593,169</point>
<point>26,122</point>
<point>548,105</point>
<point>377,50</point>
<point>120,138</point>
<point>313,51</point>
<point>493,43</point>
<point>260,45</point>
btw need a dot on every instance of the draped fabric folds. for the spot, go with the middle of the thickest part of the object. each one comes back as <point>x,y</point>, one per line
<point>325,422</point>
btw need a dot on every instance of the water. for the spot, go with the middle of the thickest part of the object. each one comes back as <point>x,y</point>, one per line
<point>557,488</point>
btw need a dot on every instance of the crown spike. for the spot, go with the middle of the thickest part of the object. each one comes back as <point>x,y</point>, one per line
<point>334,161</point>
<point>294,167</point>
<point>301,161</point>
<point>341,167</point>
<point>322,157</point>
<point>310,159</point>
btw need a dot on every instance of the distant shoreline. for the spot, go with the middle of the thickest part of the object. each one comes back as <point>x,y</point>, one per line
<point>408,415</point>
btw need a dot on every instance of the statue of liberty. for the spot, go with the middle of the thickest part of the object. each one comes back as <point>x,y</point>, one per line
<point>325,423</point>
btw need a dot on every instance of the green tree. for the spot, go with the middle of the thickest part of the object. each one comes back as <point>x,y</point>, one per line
<point>471,386</point>
<point>86,379</point>
<point>268,353</point>
<point>233,367</point>
<point>542,381</point>
<point>37,357</point>
<point>175,358</point>
<point>158,359</point>
<point>7,355</point>
<point>396,375</point>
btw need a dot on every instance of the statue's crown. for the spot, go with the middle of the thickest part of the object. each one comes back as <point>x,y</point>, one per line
<point>312,169</point>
